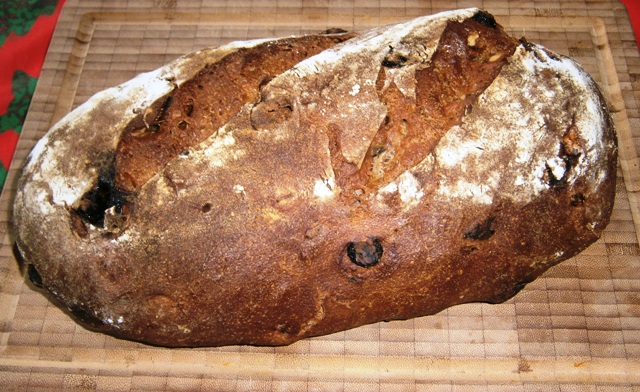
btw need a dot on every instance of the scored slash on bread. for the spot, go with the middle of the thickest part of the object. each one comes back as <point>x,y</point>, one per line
<point>273,190</point>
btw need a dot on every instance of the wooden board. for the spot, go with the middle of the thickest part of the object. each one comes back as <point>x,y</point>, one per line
<point>577,327</point>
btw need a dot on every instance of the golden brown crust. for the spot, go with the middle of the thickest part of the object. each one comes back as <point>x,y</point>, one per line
<point>289,221</point>
<point>204,103</point>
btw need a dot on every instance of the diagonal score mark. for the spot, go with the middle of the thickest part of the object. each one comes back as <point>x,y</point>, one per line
<point>469,56</point>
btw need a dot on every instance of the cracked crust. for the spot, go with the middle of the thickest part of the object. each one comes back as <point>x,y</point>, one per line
<point>405,170</point>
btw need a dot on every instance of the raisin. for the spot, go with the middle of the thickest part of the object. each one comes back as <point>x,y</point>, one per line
<point>394,62</point>
<point>365,253</point>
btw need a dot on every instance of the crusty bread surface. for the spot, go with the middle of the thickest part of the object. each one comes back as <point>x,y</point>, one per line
<point>272,190</point>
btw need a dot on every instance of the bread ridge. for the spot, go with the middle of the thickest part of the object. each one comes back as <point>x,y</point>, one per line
<point>267,206</point>
<point>123,101</point>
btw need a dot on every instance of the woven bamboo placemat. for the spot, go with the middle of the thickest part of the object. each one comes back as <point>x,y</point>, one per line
<point>577,327</point>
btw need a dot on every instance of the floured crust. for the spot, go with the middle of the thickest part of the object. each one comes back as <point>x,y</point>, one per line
<point>300,215</point>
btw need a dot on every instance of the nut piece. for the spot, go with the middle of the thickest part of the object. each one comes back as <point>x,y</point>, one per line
<point>495,57</point>
<point>471,39</point>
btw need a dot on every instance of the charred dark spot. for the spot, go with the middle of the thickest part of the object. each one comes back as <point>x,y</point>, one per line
<point>184,153</point>
<point>570,161</point>
<point>394,59</point>
<point>485,19</point>
<point>34,276</point>
<point>103,196</point>
<point>552,180</point>
<point>365,253</point>
<point>481,231</point>
<point>206,208</point>
<point>182,125</point>
<point>396,62</point>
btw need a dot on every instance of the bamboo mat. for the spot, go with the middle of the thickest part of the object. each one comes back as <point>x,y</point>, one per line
<point>576,328</point>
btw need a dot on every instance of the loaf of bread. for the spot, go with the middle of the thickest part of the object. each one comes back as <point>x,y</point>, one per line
<point>268,191</point>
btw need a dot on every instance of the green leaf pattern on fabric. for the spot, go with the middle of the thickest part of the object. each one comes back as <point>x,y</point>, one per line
<point>3,175</point>
<point>23,87</point>
<point>18,16</point>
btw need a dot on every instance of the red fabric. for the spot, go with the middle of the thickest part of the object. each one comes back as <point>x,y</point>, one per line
<point>633,8</point>
<point>24,53</point>
<point>8,141</point>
